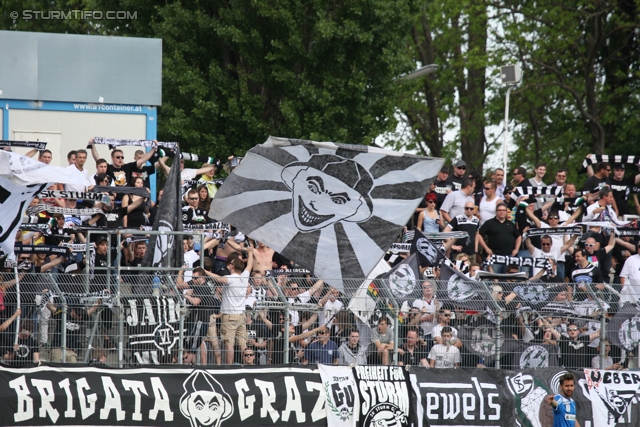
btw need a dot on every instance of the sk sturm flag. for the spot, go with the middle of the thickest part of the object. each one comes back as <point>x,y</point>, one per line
<point>404,279</point>
<point>20,179</point>
<point>430,255</point>
<point>334,209</point>
<point>166,250</point>
<point>624,329</point>
<point>457,289</point>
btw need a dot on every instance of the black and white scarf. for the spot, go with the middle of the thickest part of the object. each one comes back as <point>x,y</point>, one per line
<point>116,142</point>
<point>41,249</point>
<point>44,229</point>
<point>597,158</point>
<point>79,247</point>
<point>72,195</point>
<point>530,191</point>
<point>192,157</point>
<point>40,145</point>
<point>519,261</point>
<point>534,232</point>
<point>192,182</point>
<point>33,210</point>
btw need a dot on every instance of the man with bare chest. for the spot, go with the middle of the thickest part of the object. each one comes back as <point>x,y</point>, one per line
<point>262,257</point>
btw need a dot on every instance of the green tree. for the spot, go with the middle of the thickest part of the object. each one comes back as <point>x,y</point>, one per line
<point>581,63</point>
<point>235,72</point>
<point>453,35</point>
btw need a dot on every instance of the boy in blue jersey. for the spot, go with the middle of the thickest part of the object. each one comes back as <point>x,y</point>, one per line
<point>564,407</point>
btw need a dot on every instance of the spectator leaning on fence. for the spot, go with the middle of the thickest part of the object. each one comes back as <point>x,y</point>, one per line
<point>351,351</point>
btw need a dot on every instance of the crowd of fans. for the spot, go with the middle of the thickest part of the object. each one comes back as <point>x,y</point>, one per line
<point>232,284</point>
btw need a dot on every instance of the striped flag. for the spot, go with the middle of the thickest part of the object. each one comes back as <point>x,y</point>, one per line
<point>335,209</point>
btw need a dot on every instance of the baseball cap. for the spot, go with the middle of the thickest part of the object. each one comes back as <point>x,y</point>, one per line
<point>460,163</point>
<point>508,189</point>
<point>618,166</point>
<point>444,169</point>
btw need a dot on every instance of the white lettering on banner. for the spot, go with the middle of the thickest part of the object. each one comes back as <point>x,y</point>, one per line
<point>25,402</point>
<point>268,391</point>
<point>47,396</point>
<point>116,402</point>
<point>319,411</point>
<point>66,386</point>
<point>112,400</point>
<point>245,404</point>
<point>294,401</point>
<point>161,401</point>
<point>87,403</point>
<point>449,405</point>
<point>376,387</point>
<point>136,387</point>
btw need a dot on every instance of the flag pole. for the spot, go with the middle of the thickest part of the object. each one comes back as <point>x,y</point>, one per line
<point>15,270</point>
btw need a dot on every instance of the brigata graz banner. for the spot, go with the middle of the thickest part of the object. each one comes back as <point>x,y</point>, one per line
<point>48,395</point>
<point>167,396</point>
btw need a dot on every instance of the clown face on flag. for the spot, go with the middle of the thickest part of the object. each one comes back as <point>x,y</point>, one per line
<point>334,209</point>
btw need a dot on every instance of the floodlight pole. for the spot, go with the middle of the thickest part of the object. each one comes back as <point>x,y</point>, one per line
<point>505,152</point>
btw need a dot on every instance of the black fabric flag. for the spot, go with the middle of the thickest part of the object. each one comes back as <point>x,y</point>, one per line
<point>166,250</point>
<point>457,289</point>
<point>430,255</point>
<point>624,329</point>
<point>404,279</point>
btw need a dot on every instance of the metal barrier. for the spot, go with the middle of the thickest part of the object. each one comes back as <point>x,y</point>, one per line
<point>142,318</point>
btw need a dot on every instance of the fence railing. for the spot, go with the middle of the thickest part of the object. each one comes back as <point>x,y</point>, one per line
<point>117,319</point>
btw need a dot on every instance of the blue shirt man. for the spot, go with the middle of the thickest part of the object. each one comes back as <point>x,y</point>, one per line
<point>564,407</point>
<point>323,350</point>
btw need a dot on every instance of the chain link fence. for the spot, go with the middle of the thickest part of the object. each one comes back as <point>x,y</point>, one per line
<point>139,318</point>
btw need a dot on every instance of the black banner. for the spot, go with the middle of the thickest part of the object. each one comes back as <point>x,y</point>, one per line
<point>170,396</point>
<point>136,191</point>
<point>385,396</point>
<point>256,396</point>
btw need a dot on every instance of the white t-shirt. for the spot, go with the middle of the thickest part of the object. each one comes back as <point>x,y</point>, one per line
<point>554,253</point>
<point>435,332</point>
<point>631,273</point>
<point>446,356</point>
<point>190,258</point>
<point>85,173</point>
<point>234,294</point>
<point>430,308</point>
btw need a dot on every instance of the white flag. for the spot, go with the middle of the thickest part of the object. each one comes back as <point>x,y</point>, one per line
<point>339,385</point>
<point>22,170</point>
<point>20,179</point>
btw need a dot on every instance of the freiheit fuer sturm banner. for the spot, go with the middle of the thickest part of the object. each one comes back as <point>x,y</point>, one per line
<point>362,396</point>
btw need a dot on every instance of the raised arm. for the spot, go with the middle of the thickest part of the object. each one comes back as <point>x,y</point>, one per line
<point>164,166</point>
<point>148,155</point>
<point>94,150</point>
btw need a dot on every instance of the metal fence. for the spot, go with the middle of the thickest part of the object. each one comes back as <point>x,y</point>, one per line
<point>123,320</point>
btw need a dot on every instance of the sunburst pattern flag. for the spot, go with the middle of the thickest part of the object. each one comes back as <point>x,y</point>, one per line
<point>335,209</point>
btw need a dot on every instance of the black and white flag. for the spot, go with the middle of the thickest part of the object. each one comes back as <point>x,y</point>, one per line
<point>404,279</point>
<point>530,355</point>
<point>20,179</point>
<point>166,250</point>
<point>624,329</point>
<point>335,209</point>
<point>430,255</point>
<point>457,289</point>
